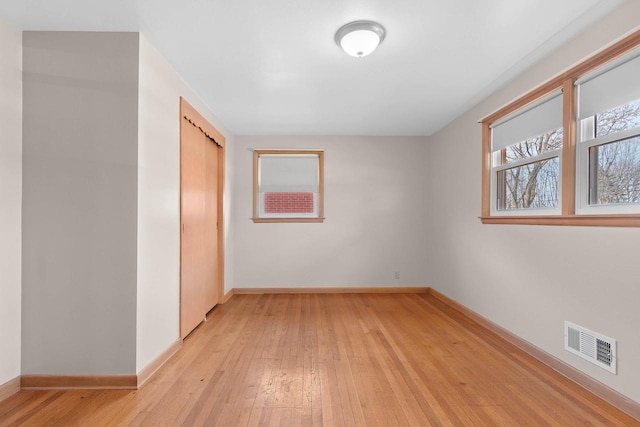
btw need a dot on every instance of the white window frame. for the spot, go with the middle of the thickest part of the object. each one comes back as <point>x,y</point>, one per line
<point>523,162</point>
<point>583,207</point>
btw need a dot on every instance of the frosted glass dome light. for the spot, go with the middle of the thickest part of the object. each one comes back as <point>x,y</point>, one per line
<point>360,38</point>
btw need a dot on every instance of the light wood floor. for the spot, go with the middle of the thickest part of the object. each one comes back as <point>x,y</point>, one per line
<point>352,360</point>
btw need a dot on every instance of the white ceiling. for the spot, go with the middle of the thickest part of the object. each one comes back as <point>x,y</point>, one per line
<point>272,67</point>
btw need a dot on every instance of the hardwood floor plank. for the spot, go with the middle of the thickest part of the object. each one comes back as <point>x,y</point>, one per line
<point>332,360</point>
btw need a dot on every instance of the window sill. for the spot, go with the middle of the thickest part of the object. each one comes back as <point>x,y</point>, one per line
<point>622,220</point>
<point>259,220</point>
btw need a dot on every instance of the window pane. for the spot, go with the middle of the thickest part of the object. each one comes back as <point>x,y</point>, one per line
<point>614,172</point>
<point>533,146</point>
<point>531,186</point>
<point>617,119</point>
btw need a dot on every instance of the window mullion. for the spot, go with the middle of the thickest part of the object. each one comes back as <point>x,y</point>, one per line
<point>568,165</point>
<point>486,169</point>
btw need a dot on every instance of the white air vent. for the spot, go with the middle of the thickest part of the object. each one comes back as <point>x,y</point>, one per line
<point>591,346</point>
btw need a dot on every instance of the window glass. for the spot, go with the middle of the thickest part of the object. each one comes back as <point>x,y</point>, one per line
<point>617,119</point>
<point>614,172</point>
<point>534,146</point>
<point>531,186</point>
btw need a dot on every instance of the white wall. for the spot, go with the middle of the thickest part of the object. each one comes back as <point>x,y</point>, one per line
<point>158,302</point>
<point>79,202</point>
<point>375,199</point>
<point>11,196</point>
<point>529,279</point>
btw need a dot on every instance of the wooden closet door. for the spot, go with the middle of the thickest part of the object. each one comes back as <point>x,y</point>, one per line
<point>211,229</point>
<point>193,247</point>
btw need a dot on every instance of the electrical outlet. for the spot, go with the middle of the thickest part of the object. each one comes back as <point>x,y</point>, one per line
<point>396,275</point>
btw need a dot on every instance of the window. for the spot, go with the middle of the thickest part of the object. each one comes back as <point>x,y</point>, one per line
<point>526,151</point>
<point>288,185</point>
<point>568,152</point>
<point>608,151</point>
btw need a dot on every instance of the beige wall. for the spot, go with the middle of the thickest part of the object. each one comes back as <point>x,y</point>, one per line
<point>11,197</point>
<point>79,202</point>
<point>102,212</point>
<point>375,201</point>
<point>529,279</point>
<point>392,204</point>
<point>158,301</point>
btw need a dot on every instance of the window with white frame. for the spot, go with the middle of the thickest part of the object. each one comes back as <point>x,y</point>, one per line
<point>526,151</point>
<point>608,148</point>
<point>288,185</point>
<point>568,151</point>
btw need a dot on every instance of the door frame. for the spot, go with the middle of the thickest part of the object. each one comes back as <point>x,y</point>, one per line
<point>191,117</point>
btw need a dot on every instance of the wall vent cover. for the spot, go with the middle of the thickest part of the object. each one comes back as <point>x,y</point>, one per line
<point>589,345</point>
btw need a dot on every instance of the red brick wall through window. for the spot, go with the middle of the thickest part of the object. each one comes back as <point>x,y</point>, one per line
<point>288,203</point>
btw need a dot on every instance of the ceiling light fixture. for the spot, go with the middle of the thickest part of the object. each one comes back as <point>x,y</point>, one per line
<point>360,38</point>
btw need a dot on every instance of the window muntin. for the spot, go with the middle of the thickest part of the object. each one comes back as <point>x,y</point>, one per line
<point>288,185</point>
